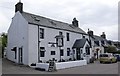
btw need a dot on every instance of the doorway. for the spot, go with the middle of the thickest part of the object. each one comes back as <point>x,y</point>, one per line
<point>78,55</point>
<point>20,52</point>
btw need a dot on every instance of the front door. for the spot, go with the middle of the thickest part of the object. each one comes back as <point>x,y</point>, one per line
<point>20,55</point>
<point>78,55</point>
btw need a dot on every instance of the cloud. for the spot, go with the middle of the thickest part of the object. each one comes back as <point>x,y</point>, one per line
<point>98,15</point>
<point>111,31</point>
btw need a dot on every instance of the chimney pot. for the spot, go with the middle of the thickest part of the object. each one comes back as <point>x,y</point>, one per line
<point>75,22</point>
<point>19,7</point>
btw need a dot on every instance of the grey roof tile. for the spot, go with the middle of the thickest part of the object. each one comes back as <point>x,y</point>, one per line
<point>79,43</point>
<point>46,22</point>
<point>98,38</point>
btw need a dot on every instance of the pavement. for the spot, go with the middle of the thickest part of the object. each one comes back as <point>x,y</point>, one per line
<point>93,68</point>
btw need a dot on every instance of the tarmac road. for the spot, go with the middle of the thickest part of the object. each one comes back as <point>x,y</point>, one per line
<point>0,67</point>
<point>94,68</point>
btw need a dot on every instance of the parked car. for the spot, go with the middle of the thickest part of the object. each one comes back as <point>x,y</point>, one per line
<point>107,57</point>
<point>117,56</point>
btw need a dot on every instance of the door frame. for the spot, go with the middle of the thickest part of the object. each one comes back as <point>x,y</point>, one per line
<point>20,55</point>
<point>78,54</point>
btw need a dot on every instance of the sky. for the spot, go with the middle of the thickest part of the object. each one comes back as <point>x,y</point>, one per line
<point>97,15</point>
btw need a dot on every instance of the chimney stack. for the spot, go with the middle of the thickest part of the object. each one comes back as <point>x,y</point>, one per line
<point>19,7</point>
<point>75,22</point>
<point>103,35</point>
<point>90,33</point>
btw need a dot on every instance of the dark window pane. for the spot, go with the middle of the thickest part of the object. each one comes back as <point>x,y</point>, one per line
<point>68,38</point>
<point>42,51</point>
<point>87,51</point>
<point>83,36</point>
<point>97,42</point>
<point>60,33</point>
<point>61,52</point>
<point>42,47</point>
<point>102,42</point>
<point>73,51</point>
<point>41,33</point>
<point>68,51</point>
<point>52,52</point>
<point>15,55</point>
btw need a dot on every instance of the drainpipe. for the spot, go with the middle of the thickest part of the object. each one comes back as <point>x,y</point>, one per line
<point>38,46</point>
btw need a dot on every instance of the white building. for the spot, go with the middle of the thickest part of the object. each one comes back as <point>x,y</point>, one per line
<point>34,39</point>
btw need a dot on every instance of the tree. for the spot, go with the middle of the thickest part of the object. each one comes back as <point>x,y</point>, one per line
<point>111,49</point>
<point>4,42</point>
<point>0,47</point>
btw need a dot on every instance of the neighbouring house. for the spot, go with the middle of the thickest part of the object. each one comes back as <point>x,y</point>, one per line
<point>98,43</point>
<point>35,39</point>
<point>117,44</point>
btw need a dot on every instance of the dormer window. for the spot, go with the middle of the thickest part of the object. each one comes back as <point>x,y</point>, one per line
<point>102,42</point>
<point>97,42</point>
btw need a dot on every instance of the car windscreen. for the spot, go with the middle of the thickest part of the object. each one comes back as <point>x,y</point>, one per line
<point>103,55</point>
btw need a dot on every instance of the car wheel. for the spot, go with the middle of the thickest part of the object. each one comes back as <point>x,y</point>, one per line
<point>101,62</point>
<point>111,61</point>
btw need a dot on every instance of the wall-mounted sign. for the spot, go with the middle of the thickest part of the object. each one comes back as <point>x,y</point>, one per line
<point>97,49</point>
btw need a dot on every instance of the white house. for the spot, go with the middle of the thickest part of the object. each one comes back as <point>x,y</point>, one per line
<point>34,39</point>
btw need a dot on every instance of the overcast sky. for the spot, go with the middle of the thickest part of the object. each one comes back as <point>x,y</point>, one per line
<point>97,15</point>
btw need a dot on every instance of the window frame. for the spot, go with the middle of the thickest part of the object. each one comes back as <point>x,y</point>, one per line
<point>42,31</point>
<point>87,49</point>
<point>97,42</point>
<point>68,51</point>
<point>60,33</point>
<point>61,53</point>
<point>42,53</point>
<point>68,36</point>
<point>52,53</point>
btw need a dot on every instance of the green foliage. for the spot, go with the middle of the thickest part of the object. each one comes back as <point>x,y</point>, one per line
<point>3,42</point>
<point>111,49</point>
<point>0,47</point>
<point>4,39</point>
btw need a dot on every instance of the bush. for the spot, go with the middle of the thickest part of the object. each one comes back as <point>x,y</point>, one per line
<point>110,49</point>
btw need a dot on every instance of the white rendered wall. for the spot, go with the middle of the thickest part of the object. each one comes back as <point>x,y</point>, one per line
<point>18,37</point>
<point>49,36</point>
<point>33,44</point>
<point>63,65</point>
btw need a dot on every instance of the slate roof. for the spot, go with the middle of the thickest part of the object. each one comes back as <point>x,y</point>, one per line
<point>98,38</point>
<point>79,43</point>
<point>46,22</point>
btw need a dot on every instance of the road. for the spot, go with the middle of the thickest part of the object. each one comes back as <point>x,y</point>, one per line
<point>94,68</point>
<point>0,66</point>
